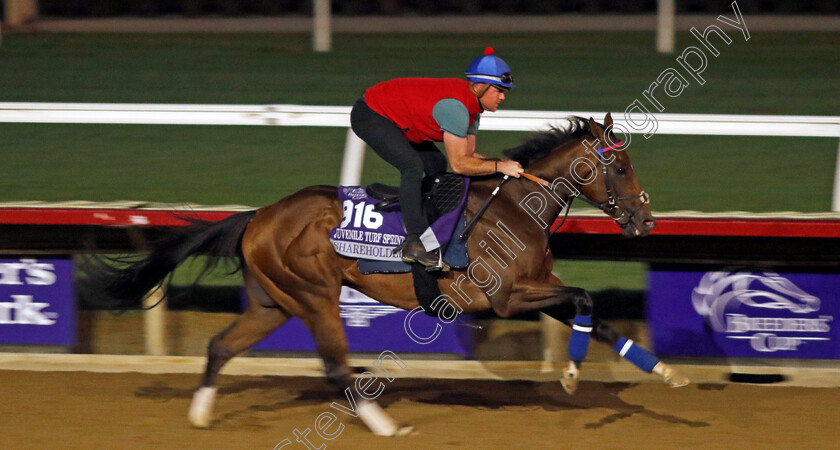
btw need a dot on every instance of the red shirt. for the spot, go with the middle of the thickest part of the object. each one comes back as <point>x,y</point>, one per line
<point>408,102</point>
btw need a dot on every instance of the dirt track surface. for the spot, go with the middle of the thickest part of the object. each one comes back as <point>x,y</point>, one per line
<point>95,410</point>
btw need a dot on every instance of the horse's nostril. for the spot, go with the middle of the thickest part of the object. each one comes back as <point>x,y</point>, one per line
<point>650,224</point>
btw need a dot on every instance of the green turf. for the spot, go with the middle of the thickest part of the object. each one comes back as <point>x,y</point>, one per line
<point>207,165</point>
<point>258,165</point>
<point>224,274</point>
<point>601,275</point>
<point>772,73</point>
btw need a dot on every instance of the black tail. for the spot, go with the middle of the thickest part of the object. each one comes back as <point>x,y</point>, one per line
<point>123,285</point>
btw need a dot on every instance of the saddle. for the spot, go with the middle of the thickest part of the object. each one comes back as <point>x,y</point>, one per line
<point>372,227</point>
<point>370,231</point>
<point>442,193</point>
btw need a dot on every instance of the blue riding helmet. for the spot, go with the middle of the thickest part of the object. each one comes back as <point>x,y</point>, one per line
<point>490,69</point>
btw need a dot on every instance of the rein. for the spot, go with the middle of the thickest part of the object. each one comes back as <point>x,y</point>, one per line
<point>483,208</point>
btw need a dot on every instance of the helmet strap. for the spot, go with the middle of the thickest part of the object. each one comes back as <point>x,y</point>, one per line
<point>481,91</point>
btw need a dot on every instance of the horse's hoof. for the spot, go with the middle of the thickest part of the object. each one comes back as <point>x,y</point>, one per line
<point>570,380</point>
<point>405,431</point>
<point>201,408</point>
<point>673,378</point>
<point>200,420</point>
<point>377,420</point>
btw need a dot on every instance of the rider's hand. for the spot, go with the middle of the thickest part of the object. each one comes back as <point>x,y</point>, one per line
<point>511,168</point>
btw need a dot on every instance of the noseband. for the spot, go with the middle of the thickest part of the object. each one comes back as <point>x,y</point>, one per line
<point>612,208</point>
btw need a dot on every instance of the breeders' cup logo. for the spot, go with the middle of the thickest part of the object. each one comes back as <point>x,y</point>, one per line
<point>719,292</point>
<point>355,193</point>
<point>359,309</point>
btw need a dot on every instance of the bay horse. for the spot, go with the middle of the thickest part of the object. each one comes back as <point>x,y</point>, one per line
<point>290,268</point>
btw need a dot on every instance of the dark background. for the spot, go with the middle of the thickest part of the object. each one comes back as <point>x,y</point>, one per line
<point>104,8</point>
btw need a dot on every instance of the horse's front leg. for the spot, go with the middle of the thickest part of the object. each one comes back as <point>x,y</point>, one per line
<point>636,354</point>
<point>625,347</point>
<point>570,305</point>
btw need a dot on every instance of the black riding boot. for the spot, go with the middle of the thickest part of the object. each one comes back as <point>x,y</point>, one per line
<point>414,252</point>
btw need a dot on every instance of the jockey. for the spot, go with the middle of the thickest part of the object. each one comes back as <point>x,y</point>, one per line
<point>402,119</point>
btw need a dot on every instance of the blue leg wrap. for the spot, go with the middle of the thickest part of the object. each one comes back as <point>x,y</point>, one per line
<point>579,341</point>
<point>636,355</point>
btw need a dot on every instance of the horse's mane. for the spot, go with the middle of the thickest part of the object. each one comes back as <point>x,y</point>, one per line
<point>541,143</point>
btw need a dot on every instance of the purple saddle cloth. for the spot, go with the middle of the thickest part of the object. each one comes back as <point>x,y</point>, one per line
<point>371,235</point>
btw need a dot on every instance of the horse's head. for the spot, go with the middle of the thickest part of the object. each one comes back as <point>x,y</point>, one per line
<point>586,158</point>
<point>616,190</point>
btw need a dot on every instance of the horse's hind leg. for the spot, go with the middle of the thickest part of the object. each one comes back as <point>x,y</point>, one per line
<point>328,331</point>
<point>254,325</point>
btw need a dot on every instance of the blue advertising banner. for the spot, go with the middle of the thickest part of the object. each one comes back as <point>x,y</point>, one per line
<point>375,327</point>
<point>37,302</point>
<point>730,312</point>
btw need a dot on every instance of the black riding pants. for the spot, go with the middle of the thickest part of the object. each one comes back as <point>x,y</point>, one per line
<point>412,160</point>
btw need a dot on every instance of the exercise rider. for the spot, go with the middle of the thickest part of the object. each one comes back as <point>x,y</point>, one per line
<point>402,119</point>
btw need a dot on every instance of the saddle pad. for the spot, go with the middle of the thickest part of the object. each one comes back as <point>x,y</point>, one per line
<point>455,255</point>
<point>370,234</point>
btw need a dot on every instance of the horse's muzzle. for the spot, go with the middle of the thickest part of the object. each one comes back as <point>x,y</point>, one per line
<point>638,227</point>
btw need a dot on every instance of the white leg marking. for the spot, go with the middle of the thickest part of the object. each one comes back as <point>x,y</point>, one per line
<point>379,422</point>
<point>201,408</point>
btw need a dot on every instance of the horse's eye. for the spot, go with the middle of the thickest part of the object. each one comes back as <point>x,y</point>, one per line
<point>621,171</point>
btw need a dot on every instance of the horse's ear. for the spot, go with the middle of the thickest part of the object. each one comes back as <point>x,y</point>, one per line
<point>608,120</point>
<point>595,128</point>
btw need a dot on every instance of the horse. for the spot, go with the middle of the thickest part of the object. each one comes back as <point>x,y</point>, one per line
<point>290,268</point>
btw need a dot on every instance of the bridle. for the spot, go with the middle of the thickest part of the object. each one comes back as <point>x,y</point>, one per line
<point>611,207</point>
